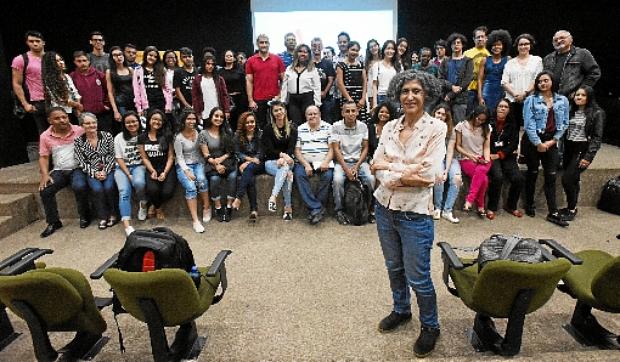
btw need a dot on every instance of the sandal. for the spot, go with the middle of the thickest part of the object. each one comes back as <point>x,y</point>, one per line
<point>160,214</point>
<point>515,213</point>
<point>151,212</point>
<point>490,215</point>
<point>112,221</point>
<point>482,213</point>
<point>466,208</point>
<point>103,224</point>
<point>236,204</point>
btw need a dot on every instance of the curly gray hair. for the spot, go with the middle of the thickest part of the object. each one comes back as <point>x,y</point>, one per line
<point>85,115</point>
<point>431,85</point>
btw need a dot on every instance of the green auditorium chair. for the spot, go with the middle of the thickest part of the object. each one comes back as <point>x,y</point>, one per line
<point>169,298</point>
<point>595,284</point>
<point>504,289</point>
<point>55,300</point>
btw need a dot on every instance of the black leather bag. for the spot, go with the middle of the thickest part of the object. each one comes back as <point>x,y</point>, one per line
<point>610,197</point>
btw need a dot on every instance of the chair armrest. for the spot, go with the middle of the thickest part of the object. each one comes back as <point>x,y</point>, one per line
<point>23,260</point>
<point>560,251</point>
<point>102,302</point>
<point>450,255</point>
<point>218,262</point>
<point>97,274</point>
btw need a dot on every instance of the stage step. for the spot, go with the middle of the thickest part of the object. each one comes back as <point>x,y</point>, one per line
<point>17,211</point>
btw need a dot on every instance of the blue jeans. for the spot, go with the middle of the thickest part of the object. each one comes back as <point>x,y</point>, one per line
<point>339,179</point>
<point>314,202</point>
<point>247,183</point>
<point>62,178</point>
<point>192,188</point>
<point>221,189</point>
<point>138,183</point>
<point>104,196</point>
<point>281,182</point>
<point>406,240</point>
<point>453,188</point>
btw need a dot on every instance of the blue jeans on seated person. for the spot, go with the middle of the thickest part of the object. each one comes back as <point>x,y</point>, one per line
<point>281,182</point>
<point>104,196</point>
<point>314,201</point>
<point>453,188</point>
<point>406,240</point>
<point>339,179</point>
<point>138,183</point>
<point>199,185</point>
<point>247,183</point>
<point>62,178</point>
<point>221,189</point>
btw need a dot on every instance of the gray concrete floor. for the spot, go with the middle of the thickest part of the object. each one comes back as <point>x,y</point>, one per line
<point>298,292</point>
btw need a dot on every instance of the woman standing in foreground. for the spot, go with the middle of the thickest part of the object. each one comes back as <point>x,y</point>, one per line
<point>407,160</point>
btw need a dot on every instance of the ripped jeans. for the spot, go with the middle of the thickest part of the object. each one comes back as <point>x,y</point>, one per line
<point>550,162</point>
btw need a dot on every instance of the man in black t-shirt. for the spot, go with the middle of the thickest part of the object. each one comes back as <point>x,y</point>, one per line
<point>328,76</point>
<point>183,78</point>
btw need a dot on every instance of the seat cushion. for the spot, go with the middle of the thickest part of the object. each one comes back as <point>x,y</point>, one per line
<point>580,280</point>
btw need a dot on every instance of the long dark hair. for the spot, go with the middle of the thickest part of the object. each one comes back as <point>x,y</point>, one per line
<point>449,121</point>
<point>111,61</point>
<point>374,117</point>
<point>395,63</point>
<point>241,129</point>
<point>481,109</point>
<point>158,67</point>
<point>510,118</point>
<point>591,104</point>
<point>554,85</point>
<point>225,138</point>
<point>53,80</point>
<point>184,115</point>
<point>126,135</point>
<point>164,134</point>
<point>369,57</point>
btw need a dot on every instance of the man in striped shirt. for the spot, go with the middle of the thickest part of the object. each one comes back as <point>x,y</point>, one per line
<point>314,158</point>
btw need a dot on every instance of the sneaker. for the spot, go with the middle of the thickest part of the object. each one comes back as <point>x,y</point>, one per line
<point>568,215</point>
<point>342,218</point>
<point>393,321</point>
<point>530,211</point>
<point>206,215</point>
<point>316,218</point>
<point>448,216</point>
<point>556,218</point>
<point>220,214</point>
<point>253,217</point>
<point>198,227</point>
<point>142,212</point>
<point>425,344</point>
<point>436,214</point>
<point>272,206</point>
<point>288,216</point>
<point>130,229</point>
<point>227,214</point>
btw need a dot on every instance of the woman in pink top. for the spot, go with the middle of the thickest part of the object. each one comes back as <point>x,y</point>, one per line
<point>473,144</point>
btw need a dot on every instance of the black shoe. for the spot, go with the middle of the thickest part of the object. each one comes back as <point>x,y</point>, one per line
<point>425,344</point>
<point>568,215</point>
<point>372,219</point>
<point>84,223</point>
<point>530,211</point>
<point>342,218</point>
<point>393,320</point>
<point>220,214</point>
<point>316,218</point>
<point>51,228</point>
<point>556,218</point>
<point>228,214</point>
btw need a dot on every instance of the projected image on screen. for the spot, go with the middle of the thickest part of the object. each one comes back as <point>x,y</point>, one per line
<point>361,26</point>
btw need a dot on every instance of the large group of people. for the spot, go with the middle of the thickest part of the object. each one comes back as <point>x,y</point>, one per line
<point>406,124</point>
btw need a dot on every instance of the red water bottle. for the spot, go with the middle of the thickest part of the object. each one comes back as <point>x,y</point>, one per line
<point>148,261</point>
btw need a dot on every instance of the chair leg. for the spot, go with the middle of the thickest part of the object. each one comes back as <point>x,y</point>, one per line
<point>7,333</point>
<point>514,330</point>
<point>43,349</point>
<point>159,343</point>
<point>586,329</point>
<point>485,336</point>
<point>84,346</point>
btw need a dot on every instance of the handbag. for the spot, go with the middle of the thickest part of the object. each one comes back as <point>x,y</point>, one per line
<point>515,248</point>
<point>610,196</point>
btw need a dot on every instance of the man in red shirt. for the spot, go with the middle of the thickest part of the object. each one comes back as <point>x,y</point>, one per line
<point>91,85</point>
<point>264,72</point>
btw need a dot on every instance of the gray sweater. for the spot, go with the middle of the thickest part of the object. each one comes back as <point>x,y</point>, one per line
<point>187,151</point>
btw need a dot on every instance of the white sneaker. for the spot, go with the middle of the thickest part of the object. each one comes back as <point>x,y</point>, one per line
<point>206,215</point>
<point>198,227</point>
<point>436,214</point>
<point>448,216</point>
<point>142,212</point>
<point>129,230</point>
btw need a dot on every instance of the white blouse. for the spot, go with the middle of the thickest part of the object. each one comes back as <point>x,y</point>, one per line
<point>520,77</point>
<point>299,83</point>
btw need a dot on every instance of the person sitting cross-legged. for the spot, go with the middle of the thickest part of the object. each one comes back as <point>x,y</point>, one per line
<point>349,141</point>
<point>314,156</point>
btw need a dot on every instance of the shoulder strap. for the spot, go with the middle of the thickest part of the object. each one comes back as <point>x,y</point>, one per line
<point>511,242</point>
<point>26,60</point>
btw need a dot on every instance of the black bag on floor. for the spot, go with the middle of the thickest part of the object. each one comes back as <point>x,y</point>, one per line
<point>356,202</point>
<point>610,197</point>
<point>500,247</point>
<point>158,248</point>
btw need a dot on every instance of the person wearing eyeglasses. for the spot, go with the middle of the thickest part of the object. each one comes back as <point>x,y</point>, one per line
<point>98,58</point>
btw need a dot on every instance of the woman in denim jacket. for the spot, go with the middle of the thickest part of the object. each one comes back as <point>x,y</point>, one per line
<point>545,118</point>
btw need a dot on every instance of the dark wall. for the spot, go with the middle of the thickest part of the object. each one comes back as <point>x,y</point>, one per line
<point>228,24</point>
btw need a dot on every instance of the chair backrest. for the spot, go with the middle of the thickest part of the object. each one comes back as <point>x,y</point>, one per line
<point>172,290</point>
<point>499,282</point>
<point>606,285</point>
<point>61,297</point>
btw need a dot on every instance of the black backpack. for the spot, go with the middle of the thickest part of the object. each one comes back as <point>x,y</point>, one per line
<point>610,197</point>
<point>356,202</point>
<point>515,248</point>
<point>153,249</point>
